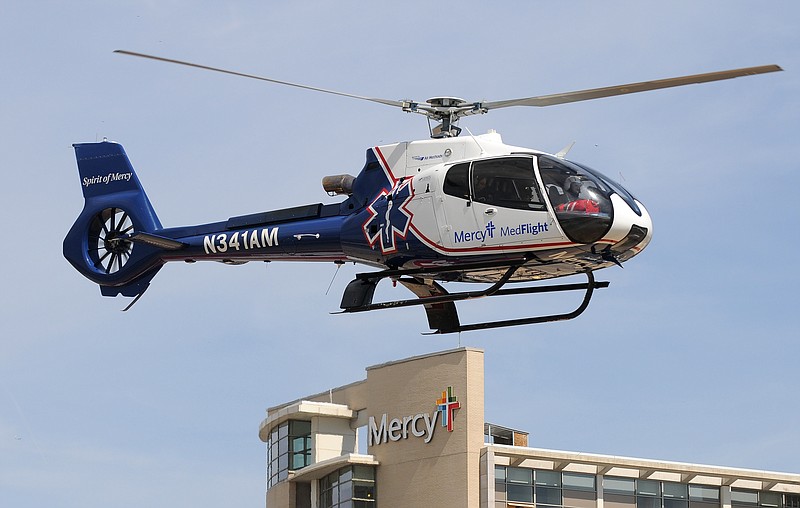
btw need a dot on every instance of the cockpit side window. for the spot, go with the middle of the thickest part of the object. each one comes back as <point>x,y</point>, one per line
<point>506,182</point>
<point>456,182</point>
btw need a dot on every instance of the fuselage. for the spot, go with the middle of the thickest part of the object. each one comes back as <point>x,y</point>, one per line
<point>438,202</point>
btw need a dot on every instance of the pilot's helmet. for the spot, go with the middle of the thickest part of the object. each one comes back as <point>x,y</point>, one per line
<point>572,184</point>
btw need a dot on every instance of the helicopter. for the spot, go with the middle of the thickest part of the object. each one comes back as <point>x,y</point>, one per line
<point>421,213</point>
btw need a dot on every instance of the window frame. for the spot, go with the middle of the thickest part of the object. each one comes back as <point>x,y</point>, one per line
<point>281,452</point>
<point>339,487</point>
<point>461,181</point>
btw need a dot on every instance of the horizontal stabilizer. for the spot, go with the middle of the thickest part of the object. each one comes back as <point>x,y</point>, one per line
<point>158,241</point>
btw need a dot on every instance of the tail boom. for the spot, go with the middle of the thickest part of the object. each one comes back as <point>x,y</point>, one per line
<point>118,241</point>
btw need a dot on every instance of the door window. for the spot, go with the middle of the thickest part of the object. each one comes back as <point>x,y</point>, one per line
<point>456,182</point>
<point>506,182</point>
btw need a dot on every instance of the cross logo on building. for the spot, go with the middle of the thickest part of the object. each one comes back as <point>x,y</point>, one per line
<point>447,405</point>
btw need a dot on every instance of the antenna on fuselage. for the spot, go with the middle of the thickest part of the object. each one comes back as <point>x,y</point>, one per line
<point>472,136</point>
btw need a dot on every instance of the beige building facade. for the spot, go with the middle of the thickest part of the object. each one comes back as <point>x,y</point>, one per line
<point>413,434</point>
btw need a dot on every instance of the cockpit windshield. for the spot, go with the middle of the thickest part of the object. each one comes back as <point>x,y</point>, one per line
<point>619,189</point>
<point>580,198</point>
<point>572,188</point>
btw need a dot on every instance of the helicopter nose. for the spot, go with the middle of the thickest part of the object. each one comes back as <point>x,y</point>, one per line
<point>631,232</point>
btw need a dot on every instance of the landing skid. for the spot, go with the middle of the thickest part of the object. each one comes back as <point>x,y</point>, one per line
<point>440,305</point>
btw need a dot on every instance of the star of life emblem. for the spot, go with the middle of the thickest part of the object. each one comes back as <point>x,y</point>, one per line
<point>389,218</point>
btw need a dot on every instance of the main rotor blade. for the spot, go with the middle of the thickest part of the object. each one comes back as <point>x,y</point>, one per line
<point>610,91</point>
<point>388,102</point>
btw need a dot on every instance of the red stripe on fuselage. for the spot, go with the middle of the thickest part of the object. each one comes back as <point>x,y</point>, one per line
<point>385,166</point>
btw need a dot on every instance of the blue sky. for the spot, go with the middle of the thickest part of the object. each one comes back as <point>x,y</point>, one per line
<point>690,355</point>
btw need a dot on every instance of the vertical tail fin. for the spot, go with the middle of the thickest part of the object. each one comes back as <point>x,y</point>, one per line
<point>99,244</point>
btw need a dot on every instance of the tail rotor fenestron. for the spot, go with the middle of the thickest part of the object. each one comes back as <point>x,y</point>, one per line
<point>109,243</point>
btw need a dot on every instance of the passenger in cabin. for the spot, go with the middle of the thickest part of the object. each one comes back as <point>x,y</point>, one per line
<point>482,191</point>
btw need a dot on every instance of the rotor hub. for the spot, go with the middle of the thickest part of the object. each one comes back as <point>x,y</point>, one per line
<point>116,244</point>
<point>445,102</point>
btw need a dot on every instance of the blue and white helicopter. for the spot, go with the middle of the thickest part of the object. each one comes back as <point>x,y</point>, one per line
<point>444,209</point>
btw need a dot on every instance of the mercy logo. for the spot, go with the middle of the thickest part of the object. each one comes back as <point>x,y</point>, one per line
<point>471,236</point>
<point>447,406</point>
<point>418,425</point>
<point>490,229</point>
<point>399,428</point>
<point>527,229</point>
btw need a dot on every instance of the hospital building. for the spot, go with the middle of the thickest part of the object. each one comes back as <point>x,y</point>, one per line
<point>414,434</point>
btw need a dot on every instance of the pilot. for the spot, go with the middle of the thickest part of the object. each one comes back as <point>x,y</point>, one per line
<point>577,188</point>
<point>572,187</point>
<point>583,196</point>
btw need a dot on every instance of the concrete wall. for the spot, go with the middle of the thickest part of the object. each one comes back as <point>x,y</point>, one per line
<point>333,438</point>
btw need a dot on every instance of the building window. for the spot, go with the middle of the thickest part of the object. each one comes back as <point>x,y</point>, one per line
<point>744,497</point>
<point>519,484</point>
<point>578,481</point>
<point>791,500</point>
<point>351,487</point>
<point>288,449</point>
<point>648,494</point>
<point>657,494</point>
<point>548,488</point>
<point>299,444</point>
<point>703,494</point>
<point>619,492</point>
<point>676,495</point>
<point>622,486</point>
<point>578,490</point>
<point>765,499</point>
<point>544,488</point>
<point>624,492</point>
